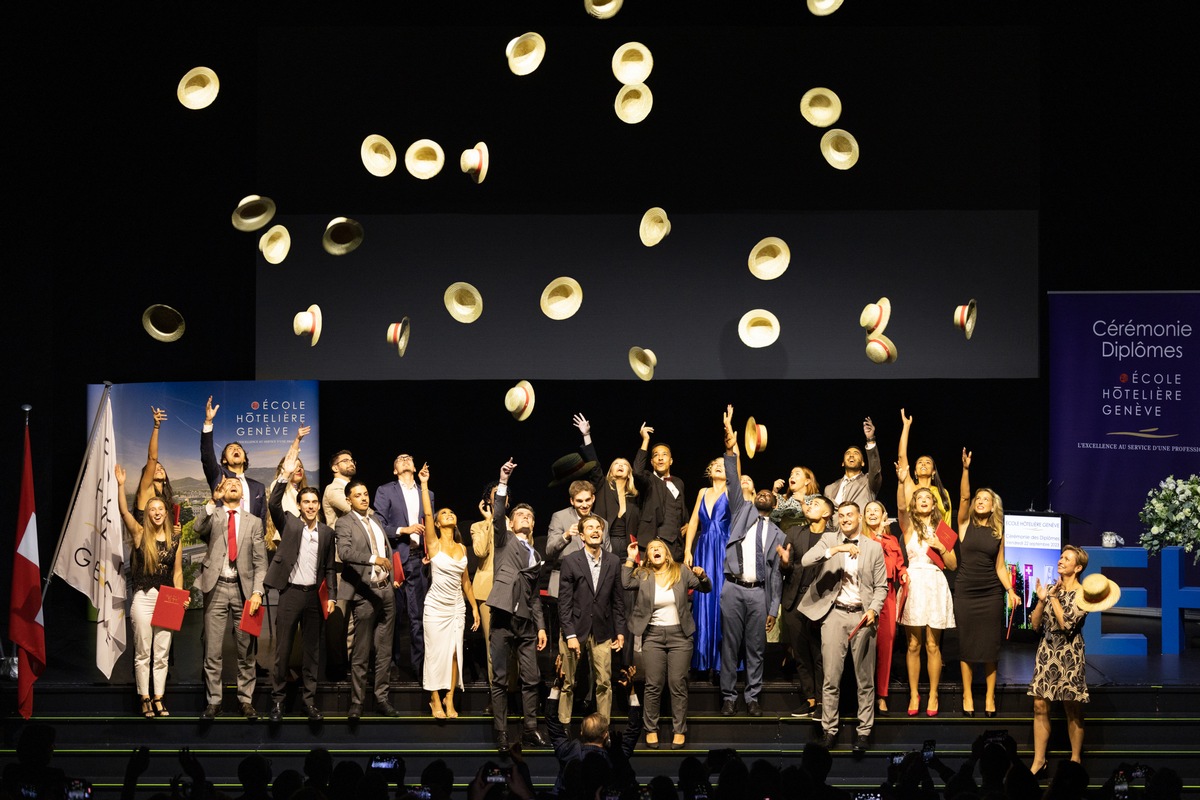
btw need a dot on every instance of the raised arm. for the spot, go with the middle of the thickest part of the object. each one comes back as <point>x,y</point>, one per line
<point>146,485</point>
<point>874,466</point>
<point>690,536</point>
<point>641,459</point>
<point>431,535</point>
<point>901,497</point>
<point>499,521</point>
<point>135,530</point>
<point>964,493</point>
<point>208,455</point>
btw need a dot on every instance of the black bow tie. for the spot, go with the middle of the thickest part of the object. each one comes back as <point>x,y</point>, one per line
<point>850,541</point>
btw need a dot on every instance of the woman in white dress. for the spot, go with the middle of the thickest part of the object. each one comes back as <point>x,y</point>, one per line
<point>444,608</point>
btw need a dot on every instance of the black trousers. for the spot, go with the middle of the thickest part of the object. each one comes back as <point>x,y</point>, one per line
<point>512,634</point>
<point>804,637</point>
<point>298,608</point>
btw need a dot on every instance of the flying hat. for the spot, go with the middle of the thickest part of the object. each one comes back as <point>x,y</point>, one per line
<point>519,400</point>
<point>758,328</point>
<point>820,106</point>
<point>463,301</point>
<point>198,88</point>
<point>881,349</point>
<point>474,162</point>
<point>424,158</point>
<point>569,468</point>
<point>397,334</point>
<point>632,63</point>
<point>1098,593</point>
<point>342,235</point>
<point>964,318</point>
<point>308,322</point>
<point>875,316</point>
<point>275,244</point>
<point>561,298</point>
<point>654,227</point>
<point>525,53</point>
<point>769,258</point>
<point>823,8</point>
<point>839,148</point>
<point>163,322</point>
<point>643,362</point>
<point>602,9</point>
<point>633,103</point>
<point>378,155</point>
<point>755,438</point>
<point>253,212</point>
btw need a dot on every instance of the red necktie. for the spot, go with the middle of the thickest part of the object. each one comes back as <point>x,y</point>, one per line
<point>233,535</point>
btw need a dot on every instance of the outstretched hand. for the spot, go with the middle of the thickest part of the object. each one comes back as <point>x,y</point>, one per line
<point>906,420</point>
<point>966,459</point>
<point>581,422</point>
<point>210,411</point>
<point>160,415</point>
<point>645,431</point>
<point>785,554</point>
<point>868,429</point>
<point>506,470</point>
<point>424,473</point>
<point>119,471</point>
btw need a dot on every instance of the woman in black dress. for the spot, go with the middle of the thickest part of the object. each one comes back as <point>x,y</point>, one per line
<point>982,574</point>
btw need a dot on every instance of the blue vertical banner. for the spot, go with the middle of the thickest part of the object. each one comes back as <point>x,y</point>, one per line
<point>1124,400</point>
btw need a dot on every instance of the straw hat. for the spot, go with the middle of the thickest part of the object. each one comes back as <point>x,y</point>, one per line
<point>823,8</point>
<point>1097,593</point>
<point>643,362</point>
<point>525,53</point>
<point>308,322</point>
<point>163,322</point>
<point>463,301</point>
<point>755,438</point>
<point>561,298</point>
<point>519,400</point>
<point>881,349</point>
<point>342,235</point>
<point>253,212</point>
<point>769,258</point>
<point>424,158</point>
<point>964,318</point>
<point>654,227</point>
<point>632,63</point>
<point>569,468</point>
<point>378,155</point>
<point>875,316</point>
<point>198,88</point>
<point>839,148</point>
<point>758,328</point>
<point>474,162</point>
<point>398,333</point>
<point>602,9</point>
<point>820,106</point>
<point>633,103</point>
<point>275,244</point>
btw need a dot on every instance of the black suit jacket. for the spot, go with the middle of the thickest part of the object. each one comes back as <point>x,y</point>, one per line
<point>653,512</point>
<point>214,471</point>
<point>291,529</point>
<point>797,579</point>
<point>616,754</point>
<point>583,610</point>
<point>514,582</point>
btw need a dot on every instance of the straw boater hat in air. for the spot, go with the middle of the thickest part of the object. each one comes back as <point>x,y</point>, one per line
<point>474,162</point>
<point>643,362</point>
<point>163,323</point>
<point>633,103</point>
<point>463,301</point>
<point>253,212</point>
<point>308,322</point>
<point>823,8</point>
<point>398,333</point>
<point>378,155</point>
<point>602,9</point>
<point>820,106</point>
<point>632,63</point>
<point>769,258</point>
<point>561,298</point>
<point>525,53</point>
<point>655,227</point>
<point>342,235</point>
<point>755,438</point>
<point>570,467</point>
<point>881,349</point>
<point>198,88</point>
<point>875,316</point>
<point>275,244</point>
<point>424,159</point>
<point>519,400</point>
<point>839,148</point>
<point>758,328</point>
<point>1097,593</point>
<point>964,318</point>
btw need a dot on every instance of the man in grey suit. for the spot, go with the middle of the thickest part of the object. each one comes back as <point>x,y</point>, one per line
<point>854,486</point>
<point>366,586</point>
<point>233,571</point>
<point>846,598</point>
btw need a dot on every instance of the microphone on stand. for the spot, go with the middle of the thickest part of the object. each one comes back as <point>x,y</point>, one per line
<point>1045,489</point>
<point>1049,502</point>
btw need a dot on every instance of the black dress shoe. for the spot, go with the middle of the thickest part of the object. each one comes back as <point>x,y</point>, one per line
<point>728,708</point>
<point>502,742</point>
<point>967,713</point>
<point>386,710</point>
<point>803,712</point>
<point>210,713</point>
<point>314,713</point>
<point>826,740</point>
<point>248,712</point>
<point>989,714</point>
<point>354,714</point>
<point>860,745</point>
<point>753,708</point>
<point>276,713</point>
<point>534,738</point>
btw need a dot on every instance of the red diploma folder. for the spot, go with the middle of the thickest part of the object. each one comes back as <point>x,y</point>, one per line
<point>397,568</point>
<point>168,609</point>
<point>948,538</point>
<point>252,623</point>
<point>323,593</point>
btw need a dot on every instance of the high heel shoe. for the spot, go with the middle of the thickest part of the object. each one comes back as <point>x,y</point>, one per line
<point>147,708</point>
<point>969,713</point>
<point>160,710</point>
<point>1043,772</point>
<point>912,712</point>
<point>990,714</point>
<point>932,709</point>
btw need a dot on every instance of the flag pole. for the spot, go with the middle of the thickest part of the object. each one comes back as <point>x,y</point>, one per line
<point>74,495</point>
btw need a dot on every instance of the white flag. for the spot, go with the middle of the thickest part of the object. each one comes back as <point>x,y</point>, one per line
<point>92,555</point>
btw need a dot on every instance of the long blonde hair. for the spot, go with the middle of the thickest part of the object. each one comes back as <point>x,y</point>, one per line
<point>923,530</point>
<point>630,484</point>
<point>995,520</point>
<point>149,546</point>
<point>669,564</point>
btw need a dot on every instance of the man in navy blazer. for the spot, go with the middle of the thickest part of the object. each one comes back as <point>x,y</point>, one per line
<point>234,463</point>
<point>591,610</point>
<point>753,584</point>
<point>398,506</point>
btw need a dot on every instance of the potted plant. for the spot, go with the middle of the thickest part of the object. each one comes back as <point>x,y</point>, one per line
<point>1172,516</point>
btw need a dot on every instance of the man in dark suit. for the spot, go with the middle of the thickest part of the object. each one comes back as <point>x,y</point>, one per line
<point>517,622</point>
<point>398,506</point>
<point>233,570</point>
<point>804,635</point>
<point>591,610</point>
<point>366,586</point>
<point>594,738</point>
<point>665,511</point>
<point>234,463</point>
<point>301,564</point>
